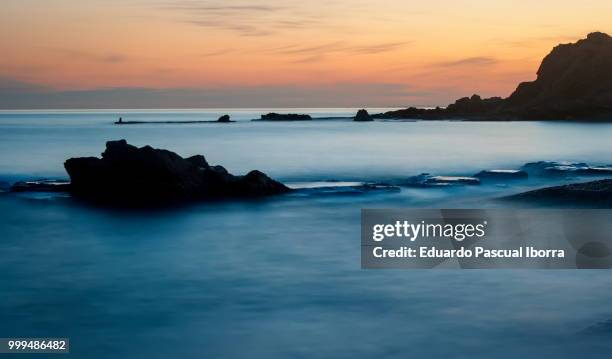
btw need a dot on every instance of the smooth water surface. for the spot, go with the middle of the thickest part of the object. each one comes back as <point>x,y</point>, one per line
<point>281,277</point>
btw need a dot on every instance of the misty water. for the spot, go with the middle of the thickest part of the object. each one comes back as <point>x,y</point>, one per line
<point>281,277</point>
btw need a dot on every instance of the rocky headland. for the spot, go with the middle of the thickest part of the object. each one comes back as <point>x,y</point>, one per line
<point>574,82</point>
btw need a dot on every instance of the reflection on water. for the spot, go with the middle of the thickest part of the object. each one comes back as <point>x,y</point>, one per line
<point>281,277</point>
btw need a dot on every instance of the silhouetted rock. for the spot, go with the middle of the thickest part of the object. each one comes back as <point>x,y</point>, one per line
<point>285,117</point>
<point>501,175</point>
<point>130,176</point>
<point>574,81</point>
<point>363,116</point>
<point>44,185</point>
<point>224,118</point>
<point>427,180</point>
<point>596,193</point>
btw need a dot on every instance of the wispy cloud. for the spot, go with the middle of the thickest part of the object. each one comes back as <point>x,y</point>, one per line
<point>313,53</point>
<point>110,58</point>
<point>469,61</point>
<point>245,19</point>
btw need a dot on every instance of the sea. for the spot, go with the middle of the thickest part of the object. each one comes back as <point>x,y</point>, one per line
<point>280,277</point>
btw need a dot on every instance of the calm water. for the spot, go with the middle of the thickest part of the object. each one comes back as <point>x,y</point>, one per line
<point>281,277</point>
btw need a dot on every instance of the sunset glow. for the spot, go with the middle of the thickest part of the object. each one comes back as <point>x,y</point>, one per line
<point>389,53</point>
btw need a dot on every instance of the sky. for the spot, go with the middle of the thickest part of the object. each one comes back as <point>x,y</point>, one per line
<point>247,53</point>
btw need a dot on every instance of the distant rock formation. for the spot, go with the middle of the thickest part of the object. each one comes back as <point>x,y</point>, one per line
<point>44,185</point>
<point>561,169</point>
<point>363,116</point>
<point>574,81</point>
<point>594,193</point>
<point>428,180</point>
<point>285,117</point>
<point>130,176</point>
<point>224,118</point>
<point>501,175</point>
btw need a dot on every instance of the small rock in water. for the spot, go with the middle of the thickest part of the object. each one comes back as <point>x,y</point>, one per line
<point>501,175</point>
<point>427,180</point>
<point>363,116</point>
<point>44,185</point>
<point>224,118</point>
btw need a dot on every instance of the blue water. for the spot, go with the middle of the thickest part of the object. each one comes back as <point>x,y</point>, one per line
<point>281,277</point>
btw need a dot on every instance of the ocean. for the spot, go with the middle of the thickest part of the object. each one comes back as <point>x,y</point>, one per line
<point>281,276</point>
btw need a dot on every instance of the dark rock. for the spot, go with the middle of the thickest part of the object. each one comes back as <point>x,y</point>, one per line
<point>501,175</point>
<point>574,81</point>
<point>4,186</point>
<point>44,185</point>
<point>560,169</point>
<point>132,176</point>
<point>285,117</point>
<point>363,116</point>
<point>224,118</point>
<point>597,193</point>
<point>427,180</point>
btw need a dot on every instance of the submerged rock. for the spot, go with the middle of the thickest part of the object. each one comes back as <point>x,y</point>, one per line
<point>224,118</point>
<point>363,116</point>
<point>4,186</point>
<point>590,193</point>
<point>285,117</point>
<point>128,175</point>
<point>427,180</point>
<point>501,175</point>
<point>559,169</point>
<point>44,185</point>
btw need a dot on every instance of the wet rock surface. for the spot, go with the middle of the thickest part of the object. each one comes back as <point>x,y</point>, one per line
<point>597,193</point>
<point>560,169</point>
<point>44,185</point>
<point>501,175</point>
<point>428,180</point>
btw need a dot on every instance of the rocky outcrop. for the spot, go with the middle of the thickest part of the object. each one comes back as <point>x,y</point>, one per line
<point>130,176</point>
<point>561,169</point>
<point>501,175</point>
<point>574,81</point>
<point>284,117</point>
<point>596,193</point>
<point>224,118</point>
<point>427,180</point>
<point>363,116</point>
<point>44,185</point>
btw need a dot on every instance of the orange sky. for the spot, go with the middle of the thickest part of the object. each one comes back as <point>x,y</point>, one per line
<point>427,52</point>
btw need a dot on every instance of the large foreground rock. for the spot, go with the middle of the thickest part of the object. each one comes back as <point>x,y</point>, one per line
<point>596,193</point>
<point>128,175</point>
